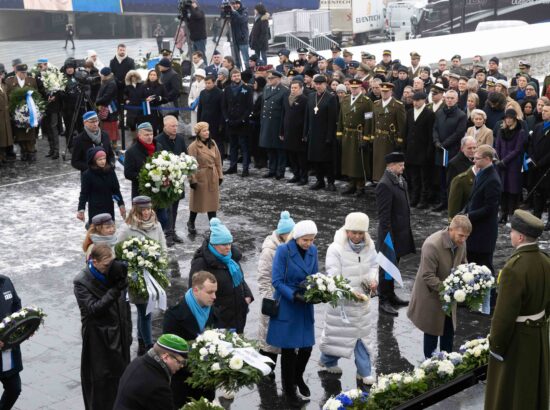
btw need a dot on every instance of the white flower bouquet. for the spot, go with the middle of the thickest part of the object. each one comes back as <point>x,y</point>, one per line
<point>321,288</point>
<point>20,98</point>
<point>19,326</point>
<point>475,352</point>
<point>163,176</point>
<point>467,283</point>
<point>53,80</point>
<point>353,399</point>
<point>201,404</point>
<point>143,255</point>
<point>219,359</point>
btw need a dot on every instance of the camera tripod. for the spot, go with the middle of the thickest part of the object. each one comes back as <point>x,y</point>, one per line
<point>227,23</point>
<point>69,132</point>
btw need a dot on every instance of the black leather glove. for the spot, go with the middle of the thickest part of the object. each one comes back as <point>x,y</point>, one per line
<point>122,284</point>
<point>220,182</point>
<point>193,185</point>
<point>118,271</point>
<point>299,297</point>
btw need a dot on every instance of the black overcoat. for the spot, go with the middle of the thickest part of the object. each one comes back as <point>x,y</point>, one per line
<point>106,339</point>
<point>82,143</point>
<point>120,70</point>
<point>394,215</point>
<point>482,210</point>
<point>210,110</point>
<point>108,93</point>
<point>292,126</point>
<point>418,138</point>
<point>236,107</point>
<point>320,127</point>
<point>539,152</point>
<point>134,158</point>
<point>10,303</point>
<point>449,128</point>
<point>272,114</point>
<point>230,304</point>
<point>99,188</point>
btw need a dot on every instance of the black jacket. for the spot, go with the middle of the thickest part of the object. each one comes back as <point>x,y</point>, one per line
<point>230,304</point>
<point>236,108</point>
<point>120,70</point>
<point>292,125</point>
<point>176,146</point>
<point>539,152</point>
<point>457,165</point>
<point>10,303</point>
<point>179,320</point>
<point>134,95</point>
<point>418,137</point>
<point>82,143</point>
<point>449,128</point>
<point>197,24</point>
<point>210,110</point>
<point>172,85</point>
<point>394,215</point>
<point>99,188</point>
<point>134,158</point>
<point>482,210</point>
<point>106,95</point>
<point>320,127</point>
<point>259,35</point>
<point>145,385</point>
<point>239,26</point>
<point>155,89</point>
<point>106,339</point>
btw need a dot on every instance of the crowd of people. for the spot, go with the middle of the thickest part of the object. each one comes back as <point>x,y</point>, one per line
<point>461,139</point>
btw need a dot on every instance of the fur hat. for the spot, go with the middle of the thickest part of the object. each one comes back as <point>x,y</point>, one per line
<point>357,221</point>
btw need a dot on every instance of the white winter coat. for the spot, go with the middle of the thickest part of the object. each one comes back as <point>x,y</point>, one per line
<point>265,265</point>
<point>194,93</point>
<point>338,337</point>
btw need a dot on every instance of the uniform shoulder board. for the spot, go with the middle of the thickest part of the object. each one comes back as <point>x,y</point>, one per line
<point>398,102</point>
<point>378,102</point>
<point>513,260</point>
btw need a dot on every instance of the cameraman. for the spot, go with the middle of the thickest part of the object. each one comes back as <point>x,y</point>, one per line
<point>69,100</point>
<point>100,290</point>
<point>239,28</point>
<point>197,28</point>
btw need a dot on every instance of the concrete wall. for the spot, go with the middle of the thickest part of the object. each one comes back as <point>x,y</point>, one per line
<point>540,64</point>
<point>21,24</point>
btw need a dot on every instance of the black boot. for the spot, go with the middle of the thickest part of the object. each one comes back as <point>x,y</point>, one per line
<point>317,185</point>
<point>288,373</point>
<point>191,228</point>
<point>301,363</point>
<point>386,308</point>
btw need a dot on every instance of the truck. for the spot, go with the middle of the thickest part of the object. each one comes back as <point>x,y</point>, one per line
<point>400,18</point>
<point>357,19</point>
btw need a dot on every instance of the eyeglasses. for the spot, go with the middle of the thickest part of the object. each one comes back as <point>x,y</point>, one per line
<point>180,362</point>
<point>478,158</point>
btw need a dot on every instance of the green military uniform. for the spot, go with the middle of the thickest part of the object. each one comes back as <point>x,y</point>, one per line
<point>388,133</point>
<point>354,128</point>
<point>459,193</point>
<point>518,377</point>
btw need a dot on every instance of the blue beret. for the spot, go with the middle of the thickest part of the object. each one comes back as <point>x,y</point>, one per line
<point>89,115</point>
<point>42,60</point>
<point>145,126</point>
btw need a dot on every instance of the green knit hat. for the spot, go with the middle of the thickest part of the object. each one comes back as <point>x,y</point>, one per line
<point>173,343</point>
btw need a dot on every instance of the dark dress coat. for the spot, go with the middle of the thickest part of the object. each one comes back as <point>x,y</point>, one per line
<point>522,380</point>
<point>106,339</point>
<point>179,320</point>
<point>449,127</point>
<point>176,145</point>
<point>106,95</point>
<point>259,35</point>
<point>172,85</point>
<point>145,385</point>
<point>294,325</point>
<point>230,302</point>
<point>10,303</point>
<point>539,152</point>
<point>459,164</point>
<point>119,71</point>
<point>99,188</point>
<point>82,143</point>
<point>394,214</point>
<point>236,108</point>
<point>320,127</point>
<point>509,147</point>
<point>482,210</point>
<point>210,110</point>
<point>292,125</point>
<point>272,114</point>
<point>418,138</point>
<point>197,24</point>
<point>134,159</point>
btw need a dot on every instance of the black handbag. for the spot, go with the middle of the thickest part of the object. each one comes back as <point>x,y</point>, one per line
<point>270,307</point>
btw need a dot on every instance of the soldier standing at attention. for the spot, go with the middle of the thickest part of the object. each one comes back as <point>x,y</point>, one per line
<point>355,129</point>
<point>389,128</point>
<point>519,365</point>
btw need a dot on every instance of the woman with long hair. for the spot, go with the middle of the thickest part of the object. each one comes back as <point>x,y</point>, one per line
<point>133,96</point>
<point>102,230</point>
<point>155,94</point>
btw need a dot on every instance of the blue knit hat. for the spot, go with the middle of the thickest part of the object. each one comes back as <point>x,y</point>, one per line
<point>145,126</point>
<point>219,234</point>
<point>286,223</point>
<point>89,115</point>
<point>340,62</point>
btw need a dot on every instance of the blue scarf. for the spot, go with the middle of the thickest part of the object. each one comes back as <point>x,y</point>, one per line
<point>520,94</point>
<point>234,268</point>
<point>200,313</point>
<point>97,274</point>
<point>545,125</point>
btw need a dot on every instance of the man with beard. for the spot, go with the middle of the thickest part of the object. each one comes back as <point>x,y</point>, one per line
<point>120,65</point>
<point>320,132</point>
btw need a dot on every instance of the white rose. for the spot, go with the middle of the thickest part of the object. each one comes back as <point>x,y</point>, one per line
<point>322,287</point>
<point>354,393</point>
<point>332,404</point>
<point>456,279</point>
<point>467,277</point>
<point>408,380</point>
<point>396,378</point>
<point>147,185</point>
<point>459,296</point>
<point>212,349</point>
<point>447,298</point>
<point>331,287</point>
<point>236,363</point>
<point>222,351</point>
<point>476,287</point>
<point>203,351</point>
<point>419,374</point>
<point>215,367</point>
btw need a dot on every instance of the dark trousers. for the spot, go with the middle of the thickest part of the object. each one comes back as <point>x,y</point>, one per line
<point>324,169</point>
<point>12,390</point>
<point>293,365</point>
<point>540,198</point>
<point>51,130</point>
<point>163,218</point>
<point>193,216</point>
<point>443,186</point>
<point>419,177</point>
<point>386,287</point>
<point>298,164</point>
<point>159,43</point>
<point>172,215</point>
<point>445,341</point>
<point>277,161</point>
<point>239,141</point>
<point>484,258</point>
<point>67,39</point>
<point>509,203</point>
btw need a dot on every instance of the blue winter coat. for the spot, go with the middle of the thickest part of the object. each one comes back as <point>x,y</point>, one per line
<point>294,325</point>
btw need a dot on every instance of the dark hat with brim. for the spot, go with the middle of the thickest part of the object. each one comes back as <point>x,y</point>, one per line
<point>320,79</point>
<point>275,73</point>
<point>353,64</point>
<point>301,50</point>
<point>386,86</point>
<point>526,223</point>
<point>354,83</point>
<point>284,52</point>
<point>103,219</point>
<point>393,157</point>
<point>16,61</point>
<point>386,53</point>
<point>299,63</point>
<point>166,52</point>
<point>142,201</point>
<point>438,88</point>
<point>21,67</point>
<point>310,72</point>
<point>164,62</point>
<point>456,56</point>
<point>335,48</point>
<point>419,95</point>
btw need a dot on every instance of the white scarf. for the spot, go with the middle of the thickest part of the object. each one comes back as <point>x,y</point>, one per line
<point>20,82</point>
<point>386,102</point>
<point>418,111</point>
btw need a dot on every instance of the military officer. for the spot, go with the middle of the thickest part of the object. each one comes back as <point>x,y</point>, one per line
<point>175,65</point>
<point>388,128</point>
<point>414,69</point>
<point>461,188</point>
<point>336,51</point>
<point>283,61</point>
<point>355,130</point>
<point>302,54</point>
<point>386,61</point>
<point>518,376</point>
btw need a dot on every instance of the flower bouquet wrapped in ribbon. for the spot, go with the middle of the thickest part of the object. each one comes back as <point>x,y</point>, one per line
<point>321,288</point>
<point>27,107</point>
<point>468,283</point>
<point>147,265</point>
<point>353,399</point>
<point>201,404</point>
<point>163,175</point>
<point>222,359</point>
<point>19,326</point>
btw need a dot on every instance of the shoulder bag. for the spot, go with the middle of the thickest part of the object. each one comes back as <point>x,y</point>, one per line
<point>270,307</point>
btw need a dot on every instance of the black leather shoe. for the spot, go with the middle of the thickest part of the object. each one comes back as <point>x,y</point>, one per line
<point>293,180</point>
<point>268,175</point>
<point>386,308</point>
<point>245,173</point>
<point>294,401</point>
<point>350,191</point>
<point>49,154</point>
<point>303,388</point>
<point>397,301</point>
<point>55,155</point>
<point>302,182</point>
<point>169,241</point>
<point>279,177</point>
<point>422,205</point>
<point>440,208</point>
<point>177,239</point>
<point>331,187</point>
<point>231,170</point>
<point>317,185</point>
<point>191,228</point>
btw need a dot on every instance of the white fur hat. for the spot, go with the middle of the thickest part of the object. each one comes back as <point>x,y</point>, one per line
<point>200,72</point>
<point>303,228</point>
<point>357,221</point>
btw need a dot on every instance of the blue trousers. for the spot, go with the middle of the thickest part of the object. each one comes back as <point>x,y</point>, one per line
<point>262,54</point>
<point>277,161</point>
<point>144,325</point>
<point>362,359</point>
<point>236,142</point>
<point>238,50</point>
<point>445,341</point>
<point>162,216</point>
<point>200,45</point>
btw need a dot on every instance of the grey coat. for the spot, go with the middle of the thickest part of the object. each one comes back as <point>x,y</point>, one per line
<point>272,114</point>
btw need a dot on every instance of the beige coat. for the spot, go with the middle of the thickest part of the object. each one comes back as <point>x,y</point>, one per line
<point>436,261</point>
<point>206,195</point>
<point>21,134</point>
<point>483,136</point>
<point>6,138</point>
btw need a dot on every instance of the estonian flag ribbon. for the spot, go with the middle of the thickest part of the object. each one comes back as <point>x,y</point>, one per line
<point>112,107</point>
<point>387,260</point>
<point>146,106</point>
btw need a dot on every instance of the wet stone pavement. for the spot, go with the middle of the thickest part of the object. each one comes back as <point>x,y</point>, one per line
<point>40,249</point>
